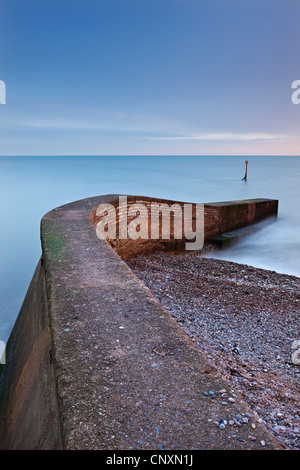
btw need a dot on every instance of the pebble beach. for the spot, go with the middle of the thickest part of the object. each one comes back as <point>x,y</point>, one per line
<point>245,320</point>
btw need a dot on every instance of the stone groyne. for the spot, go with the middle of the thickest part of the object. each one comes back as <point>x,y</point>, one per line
<point>95,362</point>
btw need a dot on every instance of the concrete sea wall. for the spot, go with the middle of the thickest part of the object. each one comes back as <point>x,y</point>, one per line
<point>95,362</point>
<point>29,416</point>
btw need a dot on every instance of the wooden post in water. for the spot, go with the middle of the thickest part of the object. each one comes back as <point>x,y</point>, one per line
<point>245,177</point>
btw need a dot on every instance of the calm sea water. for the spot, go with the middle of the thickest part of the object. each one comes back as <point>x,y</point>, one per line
<point>31,186</point>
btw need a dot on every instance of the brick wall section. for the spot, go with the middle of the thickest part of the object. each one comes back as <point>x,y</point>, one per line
<point>218,218</point>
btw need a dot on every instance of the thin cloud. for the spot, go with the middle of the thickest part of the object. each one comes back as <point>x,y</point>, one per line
<point>244,137</point>
<point>101,119</point>
<point>65,124</point>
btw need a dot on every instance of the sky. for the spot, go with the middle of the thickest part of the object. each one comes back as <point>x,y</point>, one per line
<point>149,77</point>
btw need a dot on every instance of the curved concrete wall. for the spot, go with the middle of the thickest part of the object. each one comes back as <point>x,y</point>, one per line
<point>94,362</point>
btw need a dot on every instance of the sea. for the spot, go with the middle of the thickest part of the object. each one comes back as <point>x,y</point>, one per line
<point>32,186</point>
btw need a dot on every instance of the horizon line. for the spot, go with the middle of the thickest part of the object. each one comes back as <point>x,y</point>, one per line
<point>152,155</point>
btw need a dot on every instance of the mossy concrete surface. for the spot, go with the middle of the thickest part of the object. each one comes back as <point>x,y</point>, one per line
<point>100,364</point>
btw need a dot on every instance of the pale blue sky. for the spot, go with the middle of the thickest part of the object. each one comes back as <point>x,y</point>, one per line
<point>116,77</point>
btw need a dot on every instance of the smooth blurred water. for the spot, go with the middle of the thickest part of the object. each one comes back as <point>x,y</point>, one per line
<point>31,186</point>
